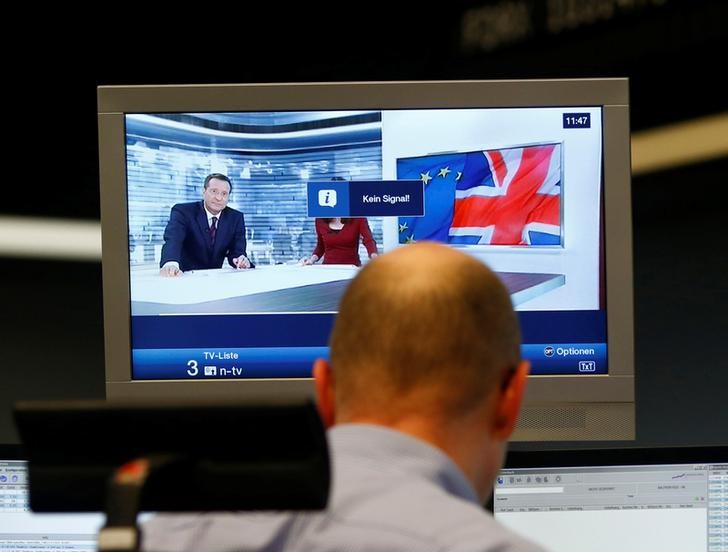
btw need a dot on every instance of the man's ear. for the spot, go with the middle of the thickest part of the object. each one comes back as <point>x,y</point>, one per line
<point>509,400</point>
<point>324,382</point>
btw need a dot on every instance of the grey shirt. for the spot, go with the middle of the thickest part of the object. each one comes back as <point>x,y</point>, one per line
<point>390,492</point>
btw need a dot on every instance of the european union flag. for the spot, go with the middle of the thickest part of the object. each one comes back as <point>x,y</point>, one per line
<point>439,174</point>
<point>509,196</point>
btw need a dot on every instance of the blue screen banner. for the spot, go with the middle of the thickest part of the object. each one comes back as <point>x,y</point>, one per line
<point>297,362</point>
<point>226,362</point>
<point>366,198</point>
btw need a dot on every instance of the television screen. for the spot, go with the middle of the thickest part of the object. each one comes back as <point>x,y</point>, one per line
<point>248,208</point>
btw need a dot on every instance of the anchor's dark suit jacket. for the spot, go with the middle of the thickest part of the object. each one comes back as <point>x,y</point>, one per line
<point>187,237</point>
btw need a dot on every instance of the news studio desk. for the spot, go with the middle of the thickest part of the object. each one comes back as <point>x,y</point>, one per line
<point>276,288</point>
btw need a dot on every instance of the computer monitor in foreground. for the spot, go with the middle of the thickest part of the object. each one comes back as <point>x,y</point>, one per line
<point>532,177</point>
<point>186,455</point>
<point>21,529</point>
<point>671,499</point>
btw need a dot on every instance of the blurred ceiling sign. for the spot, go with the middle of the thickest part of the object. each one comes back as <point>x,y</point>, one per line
<point>496,24</point>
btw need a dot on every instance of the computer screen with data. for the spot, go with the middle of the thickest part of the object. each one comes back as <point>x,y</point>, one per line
<point>234,217</point>
<point>24,531</point>
<point>671,500</point>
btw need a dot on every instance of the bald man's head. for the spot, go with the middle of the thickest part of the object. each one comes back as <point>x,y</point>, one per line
<point>422,327</point>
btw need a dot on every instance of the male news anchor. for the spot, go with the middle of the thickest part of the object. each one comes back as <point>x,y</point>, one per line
<point>201,234</point>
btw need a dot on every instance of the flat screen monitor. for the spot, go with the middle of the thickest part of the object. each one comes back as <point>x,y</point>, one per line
<point>671,499</point>
<point>23,530</point>
<point>531,177</point>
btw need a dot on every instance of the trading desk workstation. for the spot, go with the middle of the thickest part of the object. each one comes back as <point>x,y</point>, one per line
<point>554,162</point>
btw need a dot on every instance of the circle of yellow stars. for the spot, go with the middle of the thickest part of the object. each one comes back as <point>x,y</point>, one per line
<point>425,178</point>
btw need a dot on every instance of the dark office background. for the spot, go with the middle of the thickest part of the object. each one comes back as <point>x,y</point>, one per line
<point>672,51</point>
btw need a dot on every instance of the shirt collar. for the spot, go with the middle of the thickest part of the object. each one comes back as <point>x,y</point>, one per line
<point>411,455</point>
<point>210,215</point>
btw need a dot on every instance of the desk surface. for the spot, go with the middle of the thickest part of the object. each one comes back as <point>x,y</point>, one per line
<point>279,289</point>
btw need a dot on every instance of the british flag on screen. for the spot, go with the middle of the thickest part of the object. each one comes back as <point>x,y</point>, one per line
<point>509,196</point>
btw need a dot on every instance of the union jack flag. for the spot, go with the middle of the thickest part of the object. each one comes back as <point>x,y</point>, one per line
<point>509,196</point>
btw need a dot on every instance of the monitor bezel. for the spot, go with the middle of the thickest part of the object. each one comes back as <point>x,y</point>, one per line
<point>612,94</point>
<point>616,456</point>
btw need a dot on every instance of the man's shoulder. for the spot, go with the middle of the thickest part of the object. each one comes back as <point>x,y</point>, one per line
<point>187,207</point>
<point>216,531</point>
<point>429,516</point>
<point>411,526</point>
<point>231,210</point>
<point>401,490</point>
<point>231,214</point>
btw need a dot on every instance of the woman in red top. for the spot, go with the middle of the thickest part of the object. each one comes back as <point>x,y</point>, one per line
<point>338,241</point>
